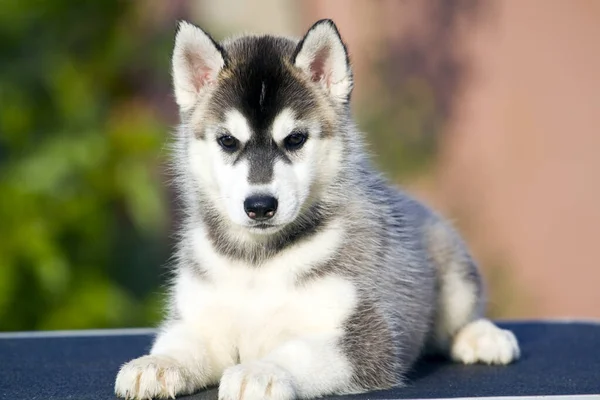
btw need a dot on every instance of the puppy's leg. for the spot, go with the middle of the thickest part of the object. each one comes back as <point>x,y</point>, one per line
<point>177,364</point>
<point>300,368</point>
<point>460,329</point>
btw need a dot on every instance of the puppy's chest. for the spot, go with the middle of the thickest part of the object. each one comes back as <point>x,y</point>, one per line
<point>254,309</point>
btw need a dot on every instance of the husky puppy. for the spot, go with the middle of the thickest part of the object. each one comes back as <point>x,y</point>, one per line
<point>300,272</point>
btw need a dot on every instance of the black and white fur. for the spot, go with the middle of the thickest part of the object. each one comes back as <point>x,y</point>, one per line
<point>345,286</point>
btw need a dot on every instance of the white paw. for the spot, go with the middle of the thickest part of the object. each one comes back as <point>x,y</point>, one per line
<point>154,376</point>
<point>482,341</point>
<point>256,381</point>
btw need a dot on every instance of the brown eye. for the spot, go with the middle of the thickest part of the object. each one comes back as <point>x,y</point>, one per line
<point>228,143</point>
<point>295,140</point>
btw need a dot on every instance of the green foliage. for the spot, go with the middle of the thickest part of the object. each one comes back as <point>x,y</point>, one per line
<point>82,211</point>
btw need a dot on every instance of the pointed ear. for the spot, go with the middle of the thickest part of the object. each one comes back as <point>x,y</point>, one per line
<point>322,55</point>
<point>197,60</point>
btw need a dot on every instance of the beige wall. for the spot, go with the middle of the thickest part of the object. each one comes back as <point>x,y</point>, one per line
<point>524,155</point>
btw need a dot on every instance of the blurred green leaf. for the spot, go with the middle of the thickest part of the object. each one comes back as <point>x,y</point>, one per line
<point>82,208</point>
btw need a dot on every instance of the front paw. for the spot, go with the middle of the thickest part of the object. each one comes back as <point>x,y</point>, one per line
<point>256,380</point>
<point>155,376</point>
<point>483,341</point>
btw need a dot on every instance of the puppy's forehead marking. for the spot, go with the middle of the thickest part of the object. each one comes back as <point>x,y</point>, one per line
<point>263,92</point>
<point>237,125</point>
<point>259,82</point>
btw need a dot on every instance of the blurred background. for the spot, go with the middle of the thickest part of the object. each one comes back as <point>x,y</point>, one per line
<point>488,110</point>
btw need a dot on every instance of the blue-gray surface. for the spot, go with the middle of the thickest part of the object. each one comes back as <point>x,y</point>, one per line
<point>557,359</point>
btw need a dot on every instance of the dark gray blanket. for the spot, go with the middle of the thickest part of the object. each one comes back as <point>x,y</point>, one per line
<point>557,359</point>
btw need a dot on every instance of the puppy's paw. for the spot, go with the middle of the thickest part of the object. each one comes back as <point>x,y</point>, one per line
<point>482,341</point>
<point>155,376</point>
<point>256,381</point>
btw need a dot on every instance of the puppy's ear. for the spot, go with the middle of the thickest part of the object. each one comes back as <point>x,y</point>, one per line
<point>197,60</point>
<point>322,55</point>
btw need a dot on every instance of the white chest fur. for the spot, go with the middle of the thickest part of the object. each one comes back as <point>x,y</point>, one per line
<point>243,312</point>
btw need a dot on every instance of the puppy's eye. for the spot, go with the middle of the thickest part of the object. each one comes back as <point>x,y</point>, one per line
<point>295,140</point>
<point>228,143</point>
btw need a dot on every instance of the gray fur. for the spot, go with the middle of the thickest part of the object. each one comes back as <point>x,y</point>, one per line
<point>388,252</point>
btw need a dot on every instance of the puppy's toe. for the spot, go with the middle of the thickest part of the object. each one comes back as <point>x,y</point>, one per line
<point>256,381</point>
<point>153,376</point>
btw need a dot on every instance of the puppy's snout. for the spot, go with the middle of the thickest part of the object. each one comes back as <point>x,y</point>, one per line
<point>260,207</point>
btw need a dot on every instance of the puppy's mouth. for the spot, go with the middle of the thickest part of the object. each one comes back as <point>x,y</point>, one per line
<point>264,228</point>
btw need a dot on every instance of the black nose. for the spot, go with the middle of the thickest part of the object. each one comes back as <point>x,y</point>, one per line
<point>260,207</point>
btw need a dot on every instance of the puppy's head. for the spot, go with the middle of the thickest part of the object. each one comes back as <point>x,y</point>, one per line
<point>261,118</point>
